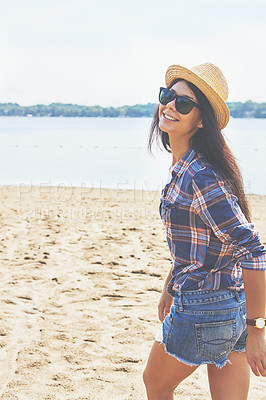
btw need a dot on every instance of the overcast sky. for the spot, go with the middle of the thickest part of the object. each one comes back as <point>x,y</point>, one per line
<point>115,52</point>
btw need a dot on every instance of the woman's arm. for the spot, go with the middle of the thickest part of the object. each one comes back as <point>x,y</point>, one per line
<point>220,210</point>
<point>255,291</point>
<point>166,299</point>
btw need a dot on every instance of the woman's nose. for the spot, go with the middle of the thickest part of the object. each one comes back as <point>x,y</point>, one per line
<point>171,104</point>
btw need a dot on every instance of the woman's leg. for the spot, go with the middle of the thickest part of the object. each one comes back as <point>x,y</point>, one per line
<point>232,381</point>
<point>163,373</point>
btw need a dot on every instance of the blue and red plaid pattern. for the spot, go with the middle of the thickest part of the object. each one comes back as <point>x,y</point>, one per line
<point>209,237</point>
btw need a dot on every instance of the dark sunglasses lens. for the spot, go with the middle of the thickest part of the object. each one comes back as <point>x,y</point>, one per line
<point>166,96</point>
<point>184,106</point>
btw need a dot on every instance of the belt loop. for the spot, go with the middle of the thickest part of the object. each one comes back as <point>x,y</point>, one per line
<point>180,302</point>
<point>237,297</point>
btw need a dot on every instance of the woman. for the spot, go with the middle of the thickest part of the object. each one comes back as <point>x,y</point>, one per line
<point>212,306</point>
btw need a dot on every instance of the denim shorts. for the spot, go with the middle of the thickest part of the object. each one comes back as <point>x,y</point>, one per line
<point>203,327</point>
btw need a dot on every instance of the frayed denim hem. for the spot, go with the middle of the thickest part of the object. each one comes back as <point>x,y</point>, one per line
<point>239,350</point>
<point>218,365</point>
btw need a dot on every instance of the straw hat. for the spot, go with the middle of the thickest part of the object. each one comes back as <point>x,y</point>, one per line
<point>211,81</point>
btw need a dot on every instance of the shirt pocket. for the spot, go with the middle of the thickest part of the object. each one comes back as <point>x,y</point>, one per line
<point>215,339</point>
<point>169,212</point>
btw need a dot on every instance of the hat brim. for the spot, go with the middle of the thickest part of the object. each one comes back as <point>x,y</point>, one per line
<point>218,105</point>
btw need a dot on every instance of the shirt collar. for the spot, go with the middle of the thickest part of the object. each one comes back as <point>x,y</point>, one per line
<point>182,164</point>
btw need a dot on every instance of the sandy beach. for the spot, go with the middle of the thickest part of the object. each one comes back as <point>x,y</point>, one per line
<point>81,276</point>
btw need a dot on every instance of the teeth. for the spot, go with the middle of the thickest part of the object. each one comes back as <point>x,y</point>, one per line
<point>170,118</point>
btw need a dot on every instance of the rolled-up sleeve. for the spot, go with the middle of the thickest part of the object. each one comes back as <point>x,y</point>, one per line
<point>219,209</point>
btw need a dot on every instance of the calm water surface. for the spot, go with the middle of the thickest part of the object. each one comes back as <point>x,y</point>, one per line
<point>109,152</point>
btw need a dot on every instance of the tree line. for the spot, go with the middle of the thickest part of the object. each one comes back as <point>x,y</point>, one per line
<point>249,109</point>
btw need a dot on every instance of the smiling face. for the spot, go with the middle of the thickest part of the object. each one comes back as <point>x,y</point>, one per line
<point>180,127</point>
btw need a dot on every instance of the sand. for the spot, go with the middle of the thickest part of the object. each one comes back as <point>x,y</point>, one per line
<point>81,276</point>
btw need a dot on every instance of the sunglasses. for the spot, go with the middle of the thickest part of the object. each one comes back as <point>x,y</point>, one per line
<point>182,104</point>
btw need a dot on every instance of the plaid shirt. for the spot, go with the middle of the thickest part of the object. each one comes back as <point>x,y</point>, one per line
<point>209,237</point>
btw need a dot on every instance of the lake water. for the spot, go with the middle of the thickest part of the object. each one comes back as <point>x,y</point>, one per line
<point>109,153</point>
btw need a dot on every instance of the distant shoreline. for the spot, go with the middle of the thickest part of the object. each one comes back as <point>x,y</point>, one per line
<point>249,109</point>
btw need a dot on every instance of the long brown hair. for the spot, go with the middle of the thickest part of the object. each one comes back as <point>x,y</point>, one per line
<point>210,142</point>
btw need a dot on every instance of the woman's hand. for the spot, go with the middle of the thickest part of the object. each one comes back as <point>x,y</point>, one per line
<point>256,350</point>
<point>164,305</point>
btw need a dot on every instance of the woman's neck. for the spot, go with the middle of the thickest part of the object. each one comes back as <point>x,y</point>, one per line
<point>178,152</point>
